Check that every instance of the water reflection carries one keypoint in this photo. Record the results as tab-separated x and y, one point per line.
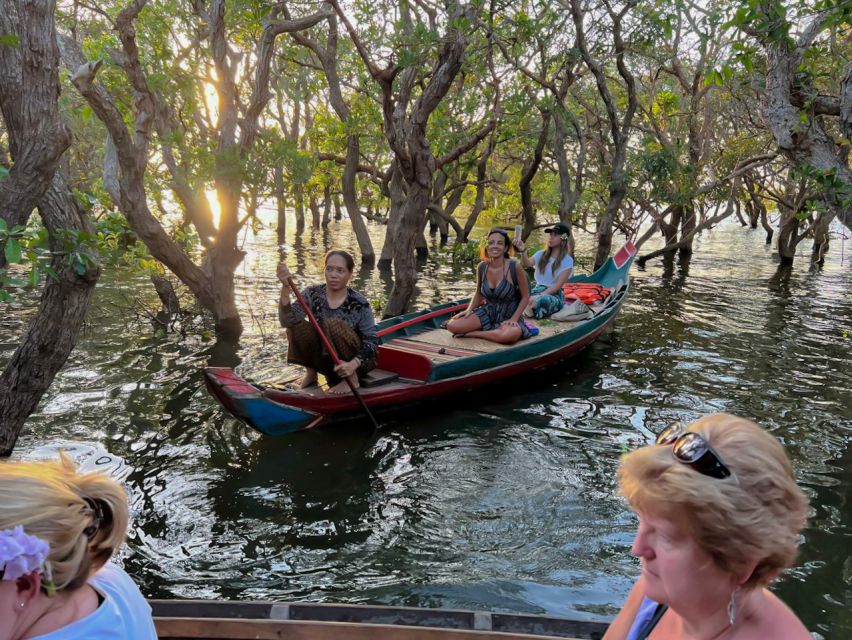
502	500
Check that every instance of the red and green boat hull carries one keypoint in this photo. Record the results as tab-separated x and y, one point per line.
425	372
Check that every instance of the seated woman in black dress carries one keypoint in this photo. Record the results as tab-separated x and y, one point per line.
502	294
345	317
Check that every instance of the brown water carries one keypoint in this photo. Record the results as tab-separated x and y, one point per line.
504	500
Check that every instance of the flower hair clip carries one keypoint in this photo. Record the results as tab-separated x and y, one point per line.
22	554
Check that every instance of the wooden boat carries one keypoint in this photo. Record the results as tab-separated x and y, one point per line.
418	361
306	621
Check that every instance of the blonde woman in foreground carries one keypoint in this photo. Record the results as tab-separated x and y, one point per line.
719	518
58	531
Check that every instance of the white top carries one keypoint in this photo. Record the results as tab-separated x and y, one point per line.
123	615
549	277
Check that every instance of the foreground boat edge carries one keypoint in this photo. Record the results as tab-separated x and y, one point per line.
232	620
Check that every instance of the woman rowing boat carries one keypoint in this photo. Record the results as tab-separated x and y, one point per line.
346	319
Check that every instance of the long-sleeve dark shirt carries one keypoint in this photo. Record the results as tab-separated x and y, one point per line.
355	311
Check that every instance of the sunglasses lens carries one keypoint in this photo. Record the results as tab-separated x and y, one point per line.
690	447
670	433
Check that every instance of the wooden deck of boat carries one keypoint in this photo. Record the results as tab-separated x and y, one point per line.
430	343
224	620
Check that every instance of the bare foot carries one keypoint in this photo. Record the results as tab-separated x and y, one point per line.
341	388
309	380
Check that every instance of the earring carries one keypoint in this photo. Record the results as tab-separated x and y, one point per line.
732	607
20	606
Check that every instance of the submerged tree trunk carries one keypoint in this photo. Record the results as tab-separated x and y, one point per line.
326	206
821	241
688	223
280	204
299	201
350	199
397	199
410	226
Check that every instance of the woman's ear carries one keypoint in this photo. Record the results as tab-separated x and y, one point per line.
28	589
743	575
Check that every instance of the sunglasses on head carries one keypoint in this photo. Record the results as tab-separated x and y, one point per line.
692	449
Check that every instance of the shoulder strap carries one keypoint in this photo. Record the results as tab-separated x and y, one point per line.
480	273
652	622
513	272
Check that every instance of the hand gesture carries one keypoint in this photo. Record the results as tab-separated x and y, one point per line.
519	244
509	323
283	273
463	314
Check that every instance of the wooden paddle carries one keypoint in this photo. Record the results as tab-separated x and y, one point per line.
330	348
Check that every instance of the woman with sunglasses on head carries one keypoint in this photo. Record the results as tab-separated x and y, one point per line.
502	294
553	266
345	316
58	531
719	519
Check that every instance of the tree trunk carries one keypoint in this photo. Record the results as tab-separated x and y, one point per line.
397	200
617	192
313	205
326	206
299	198
350	199
338	213
28	100
764	222
688	223
788	230
280	203
821	241
528	172
567	196
37	139
53	331
410	226
479	202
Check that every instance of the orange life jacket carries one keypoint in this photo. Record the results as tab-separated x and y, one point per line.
587	292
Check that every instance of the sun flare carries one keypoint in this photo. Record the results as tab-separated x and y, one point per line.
215	207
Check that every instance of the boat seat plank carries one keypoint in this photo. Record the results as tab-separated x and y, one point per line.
230	629
379	377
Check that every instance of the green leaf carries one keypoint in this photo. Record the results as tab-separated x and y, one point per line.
4	172
9	40
12	251
86	113
3	228
35	276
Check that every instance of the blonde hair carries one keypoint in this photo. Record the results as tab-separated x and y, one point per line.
751	519
83	517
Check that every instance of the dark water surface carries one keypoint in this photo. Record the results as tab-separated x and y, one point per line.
500	501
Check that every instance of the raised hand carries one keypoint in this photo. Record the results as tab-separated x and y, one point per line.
283	273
